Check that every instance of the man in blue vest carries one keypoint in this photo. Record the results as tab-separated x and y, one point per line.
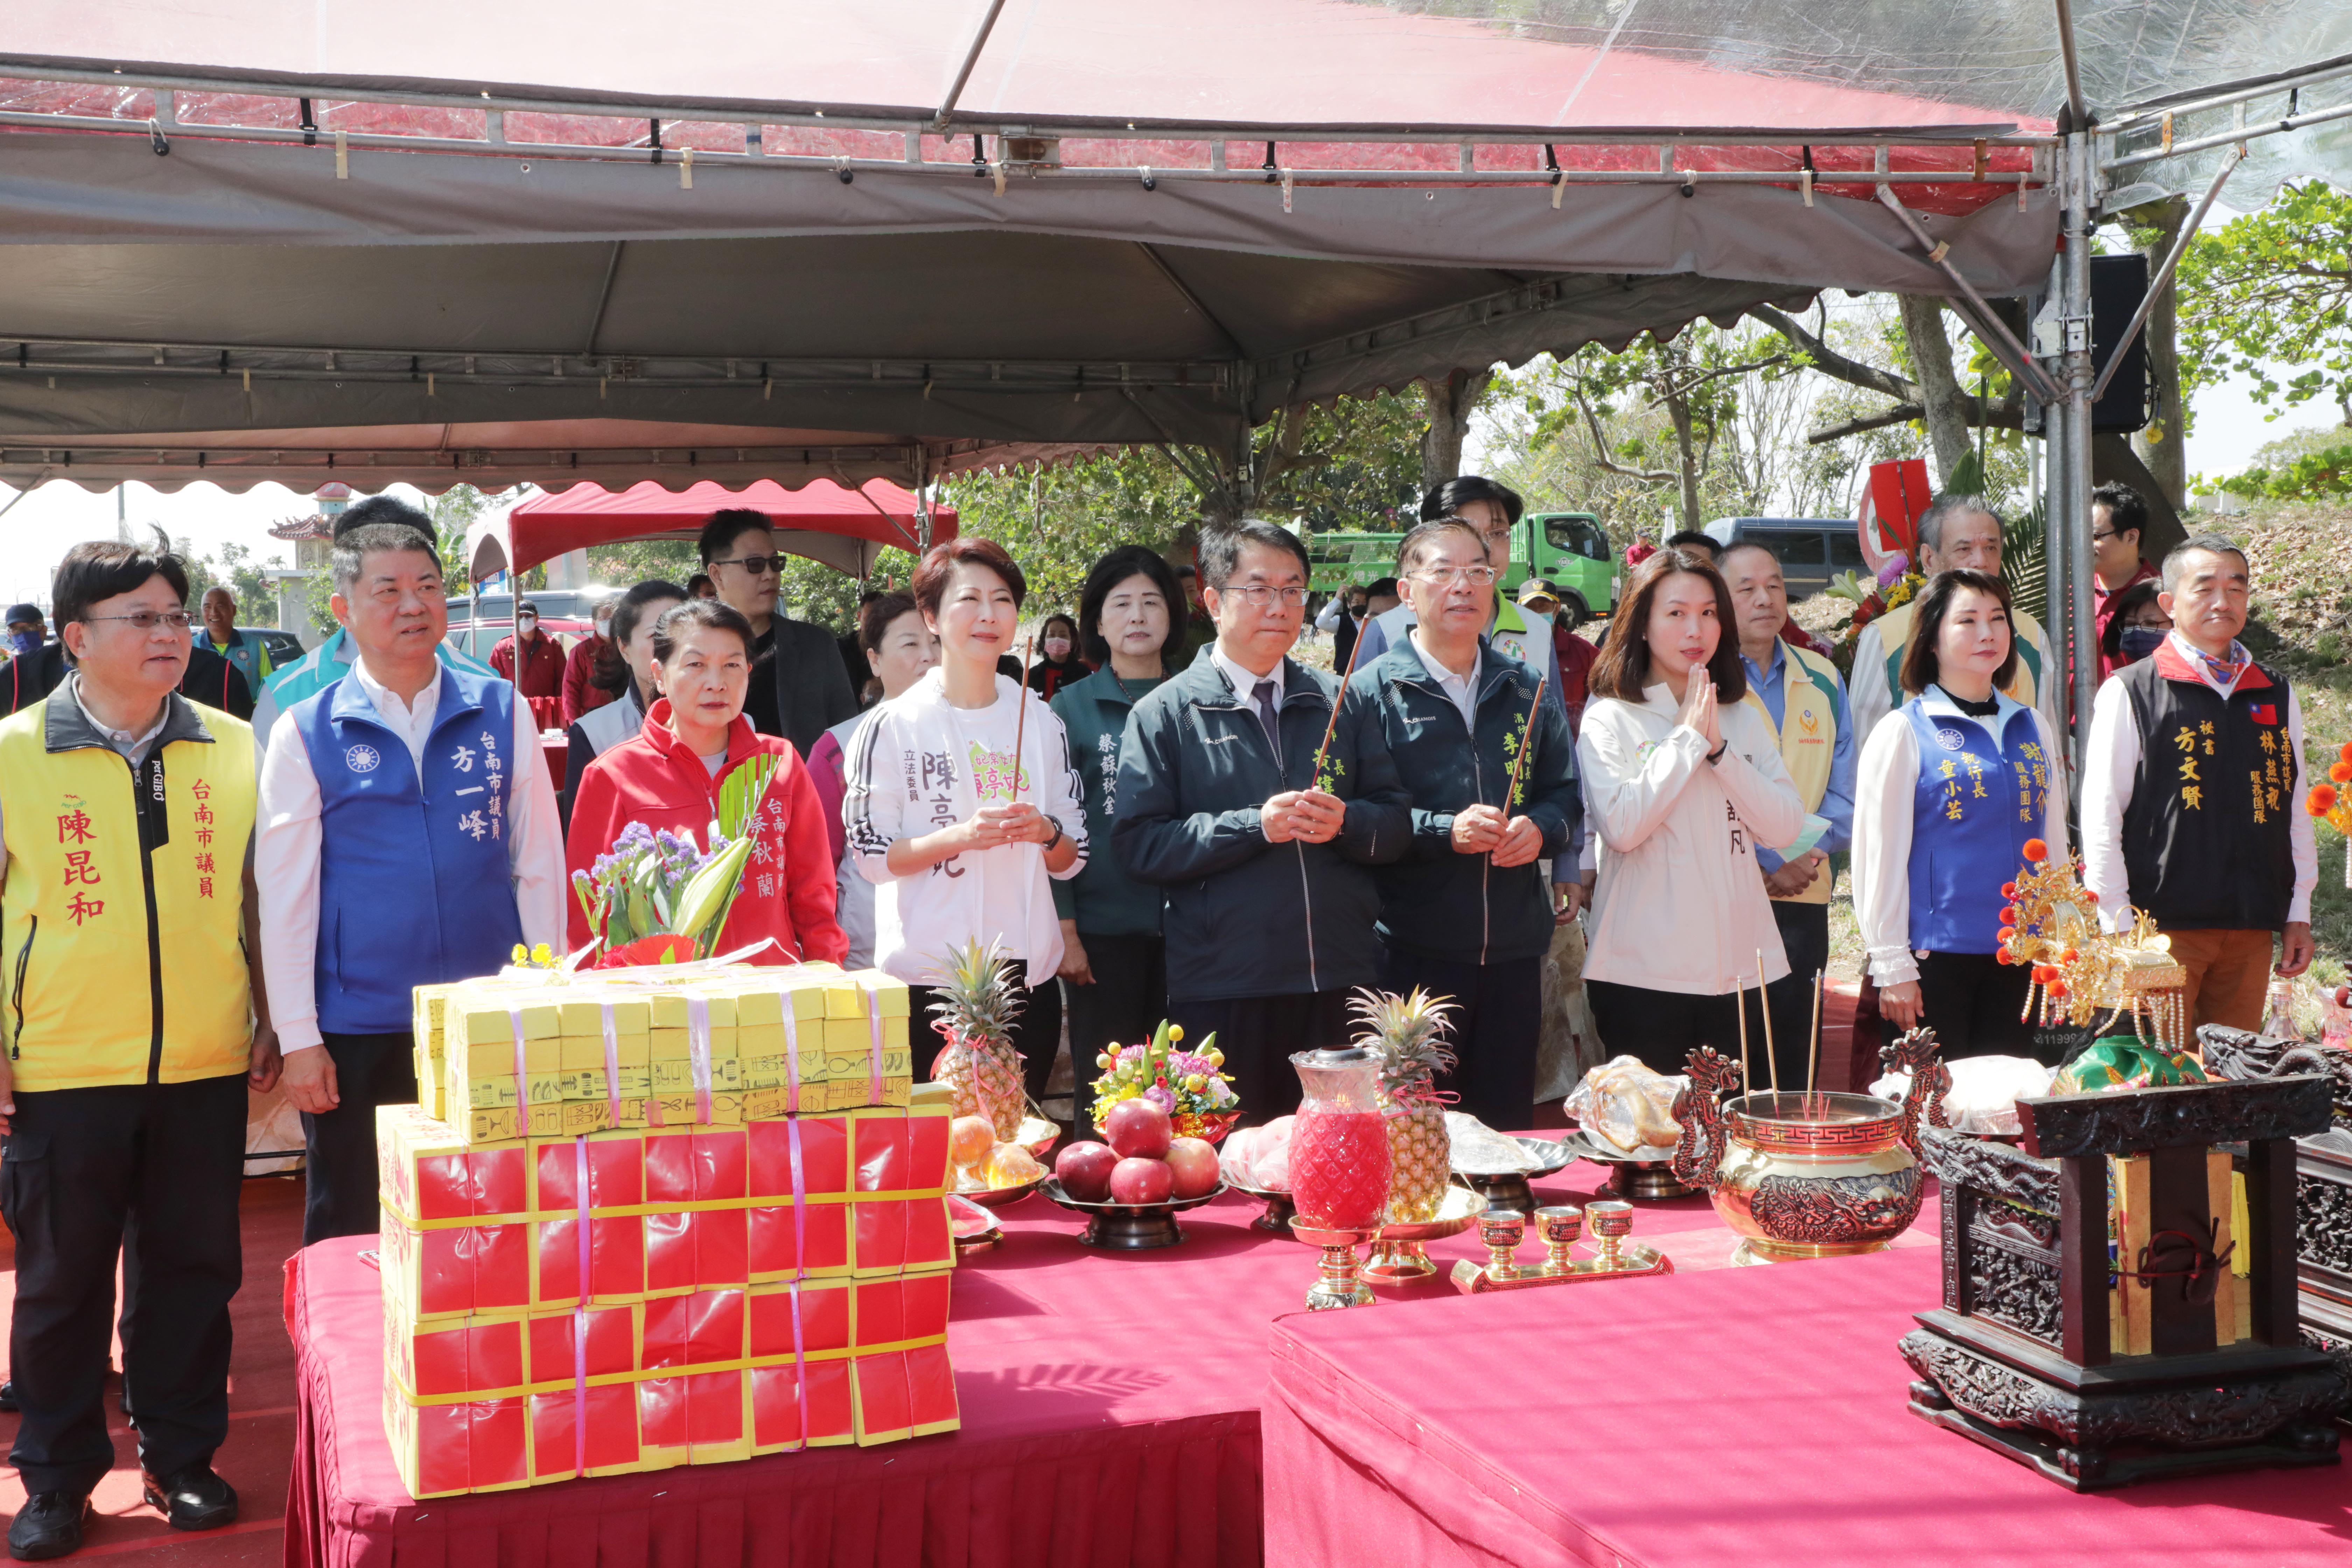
407	835
326	663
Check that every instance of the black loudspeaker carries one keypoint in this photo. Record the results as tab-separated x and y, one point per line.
2118	283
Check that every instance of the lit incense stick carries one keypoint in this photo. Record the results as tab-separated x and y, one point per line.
1813	1045
1740	994
1764	1005
1021	716
1526	744
1315	778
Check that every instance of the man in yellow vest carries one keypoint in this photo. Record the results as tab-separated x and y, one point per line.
1799	692
1955	531
133	1023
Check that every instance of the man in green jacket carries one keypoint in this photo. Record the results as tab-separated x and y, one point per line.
1492	775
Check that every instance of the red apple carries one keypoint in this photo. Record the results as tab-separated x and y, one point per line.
1084	1170
1192	1161
1139	1180
1138	1130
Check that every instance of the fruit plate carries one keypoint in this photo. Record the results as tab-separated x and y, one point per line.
1509	1189
1037	1134
998	1198
1630	1175
1278	1207
974	1229
1128	1227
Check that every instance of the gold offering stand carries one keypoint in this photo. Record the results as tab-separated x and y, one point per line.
2080	970
1502	1230
1400	1251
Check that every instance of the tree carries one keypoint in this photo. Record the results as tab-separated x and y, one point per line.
1689	379
1448	405
237	570
1946	408
2273	288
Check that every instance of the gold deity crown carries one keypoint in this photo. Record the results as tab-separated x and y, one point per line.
2079	969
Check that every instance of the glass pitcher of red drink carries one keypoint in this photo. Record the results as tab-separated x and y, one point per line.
1339	1145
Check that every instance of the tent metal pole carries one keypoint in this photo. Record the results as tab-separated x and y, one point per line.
2074	281
2156	286
2073	67
970	58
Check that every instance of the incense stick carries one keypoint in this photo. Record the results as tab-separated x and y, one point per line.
1526	744
1739	992
1764	1005
1315	778
1813	1044
1021	715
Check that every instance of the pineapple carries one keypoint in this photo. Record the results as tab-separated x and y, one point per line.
1404	1031
977	1004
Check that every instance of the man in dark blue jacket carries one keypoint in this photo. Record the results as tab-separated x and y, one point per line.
1465	913
1270	898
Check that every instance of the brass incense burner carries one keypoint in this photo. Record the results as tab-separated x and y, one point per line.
1810	1174
1503	1230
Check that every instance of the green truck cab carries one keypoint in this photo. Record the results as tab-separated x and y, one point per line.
1568	549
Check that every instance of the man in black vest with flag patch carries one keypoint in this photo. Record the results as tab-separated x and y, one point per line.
2192	795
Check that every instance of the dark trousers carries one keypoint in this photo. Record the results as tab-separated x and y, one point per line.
339	1171
1493	1034
1663	1028
1258	1036
1125	1004
89	1173
1972	1002
1805	936
1036	1030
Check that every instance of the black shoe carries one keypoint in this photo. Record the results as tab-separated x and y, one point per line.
192	1498
49	1525
8	1398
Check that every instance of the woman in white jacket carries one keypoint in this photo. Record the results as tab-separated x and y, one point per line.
1682	782
958	834
1957	791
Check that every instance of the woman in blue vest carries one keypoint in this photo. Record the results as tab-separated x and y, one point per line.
1953	785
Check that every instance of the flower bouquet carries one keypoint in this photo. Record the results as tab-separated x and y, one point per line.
657	898
2332	803
1189	1085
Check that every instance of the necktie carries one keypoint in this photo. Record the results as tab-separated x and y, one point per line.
1263	695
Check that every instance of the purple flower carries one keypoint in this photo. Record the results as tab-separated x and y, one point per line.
1892	572
1160	1098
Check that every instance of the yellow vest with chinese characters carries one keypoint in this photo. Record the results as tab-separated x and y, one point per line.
1808	737
2024	681
124	964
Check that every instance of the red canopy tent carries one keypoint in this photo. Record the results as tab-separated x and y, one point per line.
846	529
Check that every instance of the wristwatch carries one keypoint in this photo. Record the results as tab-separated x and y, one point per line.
1048	846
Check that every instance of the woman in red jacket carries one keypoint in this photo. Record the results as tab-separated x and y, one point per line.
668	776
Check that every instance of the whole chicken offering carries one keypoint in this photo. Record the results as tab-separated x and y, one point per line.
1624	1106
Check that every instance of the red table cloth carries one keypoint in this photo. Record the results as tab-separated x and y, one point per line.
1109	1406
1751	1416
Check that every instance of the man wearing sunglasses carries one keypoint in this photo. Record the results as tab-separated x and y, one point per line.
800	688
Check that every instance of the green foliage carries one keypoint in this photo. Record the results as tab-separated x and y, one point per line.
236	569
2322	475
2268	289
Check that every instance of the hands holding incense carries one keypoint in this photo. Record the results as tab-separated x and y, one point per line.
1310	815
1483	830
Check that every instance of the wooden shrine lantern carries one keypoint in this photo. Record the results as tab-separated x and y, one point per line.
2103	1367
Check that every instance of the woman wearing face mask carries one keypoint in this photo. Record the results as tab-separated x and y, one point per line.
624	691
963	813
589	657
900	649
2136	629
1683	780
1114	959
1057	640
668	776
1952	788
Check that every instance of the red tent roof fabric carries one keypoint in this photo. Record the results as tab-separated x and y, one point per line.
547	525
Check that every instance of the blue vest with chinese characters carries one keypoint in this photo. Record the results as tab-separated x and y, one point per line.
415	886
1971	812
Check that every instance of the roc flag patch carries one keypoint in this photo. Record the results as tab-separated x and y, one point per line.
2266	714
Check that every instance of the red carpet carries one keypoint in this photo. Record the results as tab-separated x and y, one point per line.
258	1455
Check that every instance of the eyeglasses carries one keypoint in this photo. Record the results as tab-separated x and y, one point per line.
2101	538
1260	595
757	565
148	620
1476	576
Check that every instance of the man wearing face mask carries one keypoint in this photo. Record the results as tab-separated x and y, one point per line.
531	658
589	656
35	666
27	629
